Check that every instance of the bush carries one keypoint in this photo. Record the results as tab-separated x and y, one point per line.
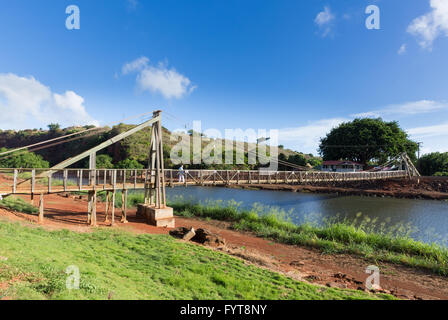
104	161
441	174
23	159
129	164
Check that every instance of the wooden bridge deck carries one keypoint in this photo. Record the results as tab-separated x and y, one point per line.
33	181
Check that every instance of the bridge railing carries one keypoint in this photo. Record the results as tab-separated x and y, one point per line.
54	180
34	181
220	177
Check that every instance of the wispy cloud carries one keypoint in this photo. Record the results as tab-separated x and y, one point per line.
324	21
430	131
408	108
402	49
27	103
136	65
159	79
132	4
427	28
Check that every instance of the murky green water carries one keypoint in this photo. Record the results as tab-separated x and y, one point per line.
429	217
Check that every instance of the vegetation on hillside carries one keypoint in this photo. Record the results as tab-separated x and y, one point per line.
367	140
131	152
120	265
22	159
435	163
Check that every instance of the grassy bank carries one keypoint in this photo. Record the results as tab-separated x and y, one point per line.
378	243
18	204
121	265
363	238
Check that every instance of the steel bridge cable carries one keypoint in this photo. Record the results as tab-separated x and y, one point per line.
51	145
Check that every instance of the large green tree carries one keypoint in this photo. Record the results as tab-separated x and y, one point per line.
365	140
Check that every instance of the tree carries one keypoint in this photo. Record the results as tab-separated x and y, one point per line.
129	164
365	140
53	127
104	161
23	159
433	163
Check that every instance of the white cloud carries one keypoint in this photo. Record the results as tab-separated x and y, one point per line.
307	138
324	20
430	26
27	103
159	79
408	108
402	49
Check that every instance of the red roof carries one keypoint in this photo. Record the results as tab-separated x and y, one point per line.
339	163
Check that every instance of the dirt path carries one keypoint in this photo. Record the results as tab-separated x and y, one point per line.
344	271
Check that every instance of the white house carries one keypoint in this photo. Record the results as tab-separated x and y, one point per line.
341	166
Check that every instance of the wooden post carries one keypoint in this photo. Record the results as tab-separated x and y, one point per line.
113	208
65	180
41	209
124	205
49	182
89	207
80	172
93	218
33	181
162	165
14	186
107	207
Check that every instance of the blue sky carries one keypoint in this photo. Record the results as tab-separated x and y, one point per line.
301	67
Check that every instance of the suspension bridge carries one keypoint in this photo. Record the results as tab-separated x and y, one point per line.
154	179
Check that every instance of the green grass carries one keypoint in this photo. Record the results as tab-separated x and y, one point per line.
18	204
376	243
128	266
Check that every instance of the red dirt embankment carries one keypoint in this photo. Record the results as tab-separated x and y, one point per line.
344	271
433	188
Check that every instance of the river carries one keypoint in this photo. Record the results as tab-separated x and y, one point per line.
429	218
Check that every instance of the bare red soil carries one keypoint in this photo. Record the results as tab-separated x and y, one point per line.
344	271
